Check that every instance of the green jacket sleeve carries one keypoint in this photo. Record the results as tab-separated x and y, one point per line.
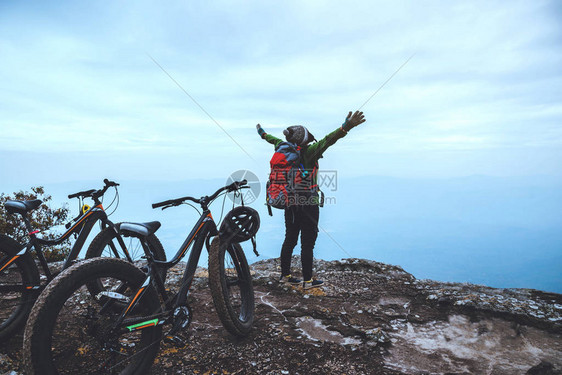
272	139
317	149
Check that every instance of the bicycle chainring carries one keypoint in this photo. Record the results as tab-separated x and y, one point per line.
181	319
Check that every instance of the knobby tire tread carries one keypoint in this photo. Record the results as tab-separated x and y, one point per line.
37	330
102	239
95	249
219	291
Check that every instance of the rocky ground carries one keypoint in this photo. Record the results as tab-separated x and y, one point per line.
371	318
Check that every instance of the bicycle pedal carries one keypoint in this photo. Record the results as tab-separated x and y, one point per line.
175	340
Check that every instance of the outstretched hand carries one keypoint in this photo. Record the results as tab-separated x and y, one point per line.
260	130
353	120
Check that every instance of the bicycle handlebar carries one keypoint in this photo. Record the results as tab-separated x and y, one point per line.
110	183
233	186
174	202
85	193
93	193
203	200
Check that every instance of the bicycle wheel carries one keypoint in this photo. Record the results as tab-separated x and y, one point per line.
104	243
231	287
17	278
69	333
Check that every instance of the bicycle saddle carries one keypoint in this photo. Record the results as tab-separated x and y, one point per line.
22	207
141	229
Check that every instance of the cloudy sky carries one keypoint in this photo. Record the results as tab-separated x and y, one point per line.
81	98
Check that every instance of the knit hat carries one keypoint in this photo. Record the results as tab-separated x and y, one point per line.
298	134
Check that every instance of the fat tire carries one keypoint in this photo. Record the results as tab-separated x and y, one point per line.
231	319
108	234
39	328
29	277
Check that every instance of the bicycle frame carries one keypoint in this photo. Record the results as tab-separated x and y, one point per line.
82	228
204	228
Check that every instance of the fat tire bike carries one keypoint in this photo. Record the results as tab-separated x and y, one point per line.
119	330
20	280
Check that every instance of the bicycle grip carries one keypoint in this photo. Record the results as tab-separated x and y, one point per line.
236	185
110	183
161	204
85	193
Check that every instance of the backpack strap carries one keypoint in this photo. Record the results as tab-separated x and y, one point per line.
254	245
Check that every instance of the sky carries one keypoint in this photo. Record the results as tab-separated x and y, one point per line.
455	175
81	97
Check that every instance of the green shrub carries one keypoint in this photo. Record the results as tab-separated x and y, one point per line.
43	219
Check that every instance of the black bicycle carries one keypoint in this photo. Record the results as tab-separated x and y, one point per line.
20	281
119	329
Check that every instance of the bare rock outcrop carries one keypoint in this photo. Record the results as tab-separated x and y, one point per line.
370	318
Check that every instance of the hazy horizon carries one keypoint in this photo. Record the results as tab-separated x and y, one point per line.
498	231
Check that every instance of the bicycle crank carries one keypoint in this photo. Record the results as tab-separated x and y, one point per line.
181	319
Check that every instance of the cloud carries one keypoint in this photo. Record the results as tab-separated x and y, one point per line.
77	78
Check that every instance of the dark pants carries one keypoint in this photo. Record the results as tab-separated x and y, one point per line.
303	219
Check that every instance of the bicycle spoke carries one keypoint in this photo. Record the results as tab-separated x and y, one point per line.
142	351
13	294
83	336
135	248
132	244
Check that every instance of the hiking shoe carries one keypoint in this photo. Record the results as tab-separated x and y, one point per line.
288	279
312	284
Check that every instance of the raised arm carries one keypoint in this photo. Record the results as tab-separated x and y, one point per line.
351	121
268	137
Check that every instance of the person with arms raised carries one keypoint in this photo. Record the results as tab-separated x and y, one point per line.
293	181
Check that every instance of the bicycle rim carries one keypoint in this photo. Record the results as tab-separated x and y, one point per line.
238	284
106	241
82	338
15	298
133	246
